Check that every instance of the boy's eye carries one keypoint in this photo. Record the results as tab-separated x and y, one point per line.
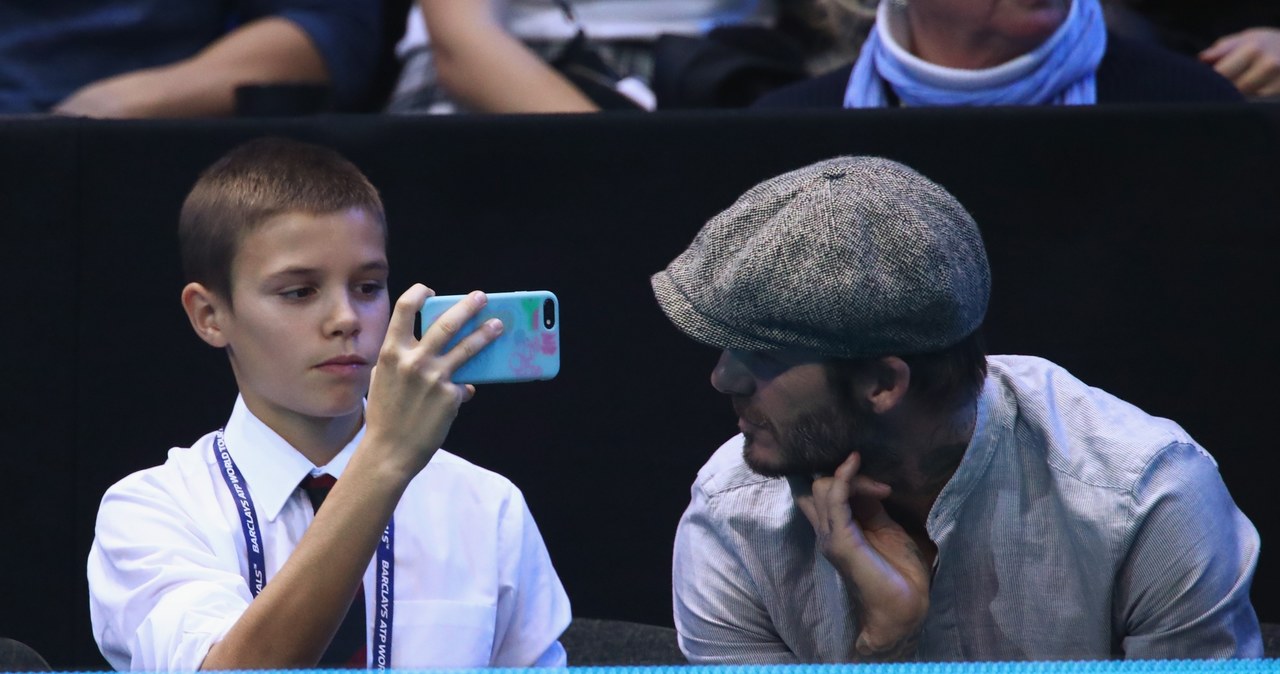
371	287
297	293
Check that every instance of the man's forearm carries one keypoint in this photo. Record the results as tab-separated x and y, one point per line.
900	649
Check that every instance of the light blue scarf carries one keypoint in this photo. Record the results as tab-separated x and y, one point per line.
1058	72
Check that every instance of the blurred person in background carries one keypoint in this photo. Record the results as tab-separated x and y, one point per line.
512	56
999	52
137	58
1239	38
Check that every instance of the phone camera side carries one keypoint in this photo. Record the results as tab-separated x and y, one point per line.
549	314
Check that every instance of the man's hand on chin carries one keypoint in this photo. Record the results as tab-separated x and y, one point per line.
884	569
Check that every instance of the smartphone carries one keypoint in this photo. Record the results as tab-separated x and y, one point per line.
528	348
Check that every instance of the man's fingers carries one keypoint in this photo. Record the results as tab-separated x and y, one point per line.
844	501
874	489
835	497
850	466
806	506
858	496
866	506
802	494
400	329
831	500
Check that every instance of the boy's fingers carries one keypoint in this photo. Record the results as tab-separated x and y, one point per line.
406	308
470	345
447	326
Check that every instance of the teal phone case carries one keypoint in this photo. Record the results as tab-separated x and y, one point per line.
528	348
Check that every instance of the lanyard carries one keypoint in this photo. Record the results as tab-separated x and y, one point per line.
258	564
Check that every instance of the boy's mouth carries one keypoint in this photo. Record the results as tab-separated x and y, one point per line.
351	360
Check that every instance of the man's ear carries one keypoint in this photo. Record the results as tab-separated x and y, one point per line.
205	309
886	384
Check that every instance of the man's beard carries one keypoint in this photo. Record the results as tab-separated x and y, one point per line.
816	443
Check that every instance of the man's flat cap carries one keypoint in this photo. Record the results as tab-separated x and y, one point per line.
851	257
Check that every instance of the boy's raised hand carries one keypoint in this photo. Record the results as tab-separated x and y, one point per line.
412	403
412	398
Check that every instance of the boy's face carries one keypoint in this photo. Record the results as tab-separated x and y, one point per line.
309	312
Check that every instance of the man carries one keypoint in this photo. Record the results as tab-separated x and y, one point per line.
894	493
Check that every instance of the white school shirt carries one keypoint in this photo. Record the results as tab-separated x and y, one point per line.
474	585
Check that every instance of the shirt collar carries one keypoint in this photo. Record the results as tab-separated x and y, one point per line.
995	413
271	467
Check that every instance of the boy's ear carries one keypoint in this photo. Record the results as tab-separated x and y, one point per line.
205	310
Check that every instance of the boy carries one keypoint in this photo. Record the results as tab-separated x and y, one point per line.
217	559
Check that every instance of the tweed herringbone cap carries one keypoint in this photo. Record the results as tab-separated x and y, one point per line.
851	257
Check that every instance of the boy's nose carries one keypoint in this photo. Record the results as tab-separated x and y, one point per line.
344	319
731	376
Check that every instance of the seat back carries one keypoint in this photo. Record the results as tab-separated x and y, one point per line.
599	642
16	656
1271	640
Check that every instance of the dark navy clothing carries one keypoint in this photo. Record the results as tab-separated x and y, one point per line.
1130	72
51	48
1190	26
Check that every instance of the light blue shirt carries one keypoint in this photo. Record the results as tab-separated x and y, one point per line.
1076	527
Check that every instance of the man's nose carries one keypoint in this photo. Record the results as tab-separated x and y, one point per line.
731	376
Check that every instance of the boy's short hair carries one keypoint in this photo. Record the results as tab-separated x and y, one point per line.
251	184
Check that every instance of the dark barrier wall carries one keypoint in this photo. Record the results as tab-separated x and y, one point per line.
1126	244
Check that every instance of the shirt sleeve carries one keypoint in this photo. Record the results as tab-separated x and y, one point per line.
159	594
347	33
719	616
1183	591
533	609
